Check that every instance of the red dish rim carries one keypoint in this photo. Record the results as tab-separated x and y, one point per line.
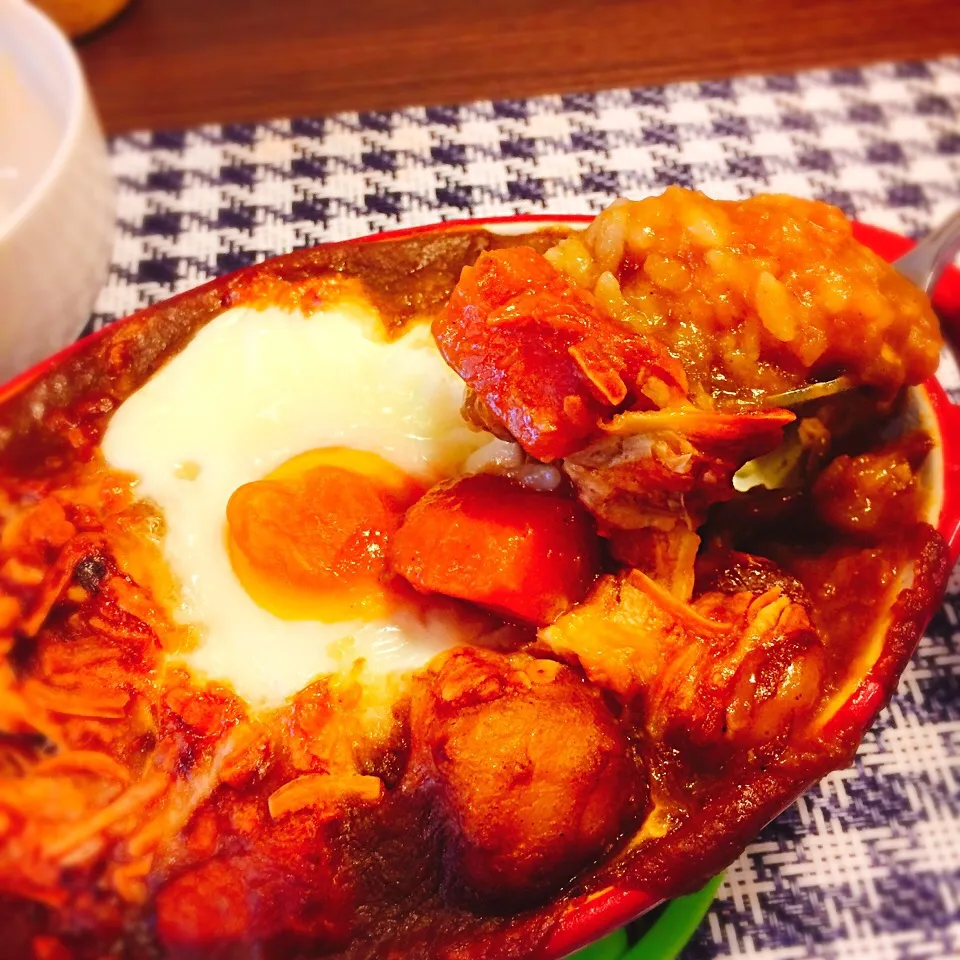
594	916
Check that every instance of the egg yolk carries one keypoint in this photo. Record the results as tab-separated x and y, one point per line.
311	540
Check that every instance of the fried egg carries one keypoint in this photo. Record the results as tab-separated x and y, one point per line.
266	396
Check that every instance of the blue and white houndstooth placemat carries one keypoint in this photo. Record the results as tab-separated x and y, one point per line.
867	865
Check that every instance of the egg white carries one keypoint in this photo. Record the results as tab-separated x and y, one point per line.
254	388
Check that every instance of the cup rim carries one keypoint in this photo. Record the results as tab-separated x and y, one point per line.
57	45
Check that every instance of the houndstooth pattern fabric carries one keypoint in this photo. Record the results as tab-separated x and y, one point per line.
867	865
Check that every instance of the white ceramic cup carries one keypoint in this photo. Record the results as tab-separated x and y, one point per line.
56	239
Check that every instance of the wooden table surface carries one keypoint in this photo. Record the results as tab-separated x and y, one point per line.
172	63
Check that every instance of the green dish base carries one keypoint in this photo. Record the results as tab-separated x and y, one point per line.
668	933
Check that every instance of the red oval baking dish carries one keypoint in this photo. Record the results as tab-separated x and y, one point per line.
584	919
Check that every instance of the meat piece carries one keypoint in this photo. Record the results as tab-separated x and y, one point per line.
761	679
651	479
622	635
535	777
874	491
526	554
730	571
726	672
665	551
543	356
677	461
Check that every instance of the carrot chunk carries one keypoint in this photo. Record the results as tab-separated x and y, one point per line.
543	356
526	554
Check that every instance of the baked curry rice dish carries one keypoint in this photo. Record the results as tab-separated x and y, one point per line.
391	598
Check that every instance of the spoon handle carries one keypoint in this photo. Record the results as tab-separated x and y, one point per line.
924	264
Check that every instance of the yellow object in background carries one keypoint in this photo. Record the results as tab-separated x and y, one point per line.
77	17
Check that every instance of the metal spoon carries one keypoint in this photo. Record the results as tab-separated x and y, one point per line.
922	266
925	263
